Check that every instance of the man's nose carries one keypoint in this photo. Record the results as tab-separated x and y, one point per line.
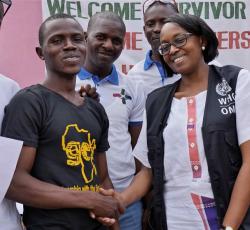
69	44
157	27
108	43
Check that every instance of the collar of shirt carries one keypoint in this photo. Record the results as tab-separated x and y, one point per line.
149	62
111	78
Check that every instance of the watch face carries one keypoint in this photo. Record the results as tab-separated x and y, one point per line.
228	228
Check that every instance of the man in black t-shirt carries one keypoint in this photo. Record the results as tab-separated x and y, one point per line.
62	164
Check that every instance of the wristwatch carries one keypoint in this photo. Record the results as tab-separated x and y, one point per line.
227	228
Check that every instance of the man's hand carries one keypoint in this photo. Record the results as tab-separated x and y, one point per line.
105	220
89	91
116	195
106	206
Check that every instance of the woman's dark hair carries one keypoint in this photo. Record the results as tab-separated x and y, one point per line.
198	27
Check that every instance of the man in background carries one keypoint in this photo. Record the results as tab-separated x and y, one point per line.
122	99
152	72
9	217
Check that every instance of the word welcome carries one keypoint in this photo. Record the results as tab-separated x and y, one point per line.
127	10
132	10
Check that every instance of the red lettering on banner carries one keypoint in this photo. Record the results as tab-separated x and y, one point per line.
136	40
245	44
127	41
133	40
221	39
233	39
126	68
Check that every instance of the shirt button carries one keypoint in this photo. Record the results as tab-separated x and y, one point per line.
192	145
190	101
190	120
196	167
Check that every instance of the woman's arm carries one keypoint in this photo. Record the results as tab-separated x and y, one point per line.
138	187
240	199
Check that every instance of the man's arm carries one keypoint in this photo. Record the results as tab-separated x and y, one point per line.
30	191
134	131
102	169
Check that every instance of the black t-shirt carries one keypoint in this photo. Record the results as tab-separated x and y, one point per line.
67	138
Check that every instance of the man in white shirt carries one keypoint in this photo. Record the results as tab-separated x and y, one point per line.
152	72
122	99
9	217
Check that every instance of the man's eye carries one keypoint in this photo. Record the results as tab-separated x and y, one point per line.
117	41
99	37
56	41
150	24
78	39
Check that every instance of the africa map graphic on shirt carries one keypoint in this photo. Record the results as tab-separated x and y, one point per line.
80	153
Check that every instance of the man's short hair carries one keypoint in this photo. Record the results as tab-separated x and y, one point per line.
52	18
106	15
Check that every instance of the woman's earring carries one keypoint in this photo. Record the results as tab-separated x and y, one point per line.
203	48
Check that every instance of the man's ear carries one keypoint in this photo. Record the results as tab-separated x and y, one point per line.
39	52
124	41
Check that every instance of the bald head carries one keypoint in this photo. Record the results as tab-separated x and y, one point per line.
106	15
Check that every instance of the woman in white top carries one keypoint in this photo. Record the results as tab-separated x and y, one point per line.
187	45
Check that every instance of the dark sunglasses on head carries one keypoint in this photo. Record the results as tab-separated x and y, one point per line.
8	5
148	3
179	41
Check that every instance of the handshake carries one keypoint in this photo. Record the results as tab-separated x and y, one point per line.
107	207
